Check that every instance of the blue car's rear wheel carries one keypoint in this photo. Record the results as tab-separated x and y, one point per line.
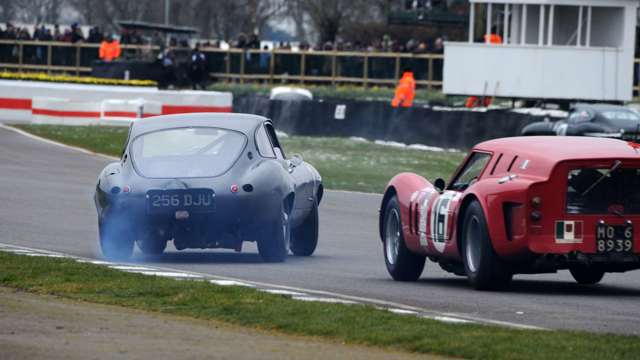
273	244
151	244
116	240
304	238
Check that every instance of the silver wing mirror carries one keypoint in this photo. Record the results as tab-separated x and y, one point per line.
440	185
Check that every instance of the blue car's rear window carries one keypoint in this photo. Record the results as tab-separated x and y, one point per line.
186	152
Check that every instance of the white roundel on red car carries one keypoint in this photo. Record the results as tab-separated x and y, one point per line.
440	218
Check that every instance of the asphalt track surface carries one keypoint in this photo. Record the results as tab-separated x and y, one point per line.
46	203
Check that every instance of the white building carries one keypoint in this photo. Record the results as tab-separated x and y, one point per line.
551	49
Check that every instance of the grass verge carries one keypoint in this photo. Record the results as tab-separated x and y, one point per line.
354	324
343	163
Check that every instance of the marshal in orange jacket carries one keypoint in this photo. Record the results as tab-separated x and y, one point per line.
405	91
109	50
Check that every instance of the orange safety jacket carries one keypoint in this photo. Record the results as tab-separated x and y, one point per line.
493	39
109	50
405	91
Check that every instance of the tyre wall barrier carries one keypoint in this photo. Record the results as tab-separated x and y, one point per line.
27	101
377	120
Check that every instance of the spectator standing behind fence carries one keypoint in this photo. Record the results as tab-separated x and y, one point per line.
198	70
405	91
110	49
265	59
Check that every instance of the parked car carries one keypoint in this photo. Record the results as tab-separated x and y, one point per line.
517	206
599	120
207	181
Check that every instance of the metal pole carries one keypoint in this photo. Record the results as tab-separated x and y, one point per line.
541	27
334	67
228	65
579	39
366	69
302	67
272	64
20	55
77	59
488	29
505	31
523	30
49	57
472	21
589	26
167	8
551	16
244	54
430	73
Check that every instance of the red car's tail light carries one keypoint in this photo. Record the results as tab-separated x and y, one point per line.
536	202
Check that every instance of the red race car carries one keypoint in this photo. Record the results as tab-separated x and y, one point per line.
519	205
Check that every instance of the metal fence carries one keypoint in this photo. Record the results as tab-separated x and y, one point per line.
271	66
237	65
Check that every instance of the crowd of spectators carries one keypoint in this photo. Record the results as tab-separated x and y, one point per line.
385	44
71	34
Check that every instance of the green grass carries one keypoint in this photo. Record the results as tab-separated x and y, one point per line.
344	164
355	324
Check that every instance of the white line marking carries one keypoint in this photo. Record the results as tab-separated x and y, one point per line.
452	320
282	292
402	311
324	300
43	255
230	283
170	274
130	268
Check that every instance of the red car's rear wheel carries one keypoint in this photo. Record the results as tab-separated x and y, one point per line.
484	268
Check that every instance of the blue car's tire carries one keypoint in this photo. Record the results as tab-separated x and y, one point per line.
116	240
304	238
273	245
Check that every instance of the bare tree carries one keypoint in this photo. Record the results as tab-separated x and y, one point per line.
7	10
37	11
328	17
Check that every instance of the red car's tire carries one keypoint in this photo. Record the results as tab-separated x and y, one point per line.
402	264
585	275
485	270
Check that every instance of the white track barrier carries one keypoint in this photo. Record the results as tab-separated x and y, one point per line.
67	104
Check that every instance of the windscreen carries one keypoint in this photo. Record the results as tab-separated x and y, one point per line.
621	115
614	190
186	152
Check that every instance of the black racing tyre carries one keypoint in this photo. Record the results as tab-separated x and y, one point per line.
304	238
151	245
116	240
485	270
402	264
273	245
586	275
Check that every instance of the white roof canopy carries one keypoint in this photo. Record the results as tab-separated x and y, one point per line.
560	2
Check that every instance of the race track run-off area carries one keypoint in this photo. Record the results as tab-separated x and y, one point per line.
46	204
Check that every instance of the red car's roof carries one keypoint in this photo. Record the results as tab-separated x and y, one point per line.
553	149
